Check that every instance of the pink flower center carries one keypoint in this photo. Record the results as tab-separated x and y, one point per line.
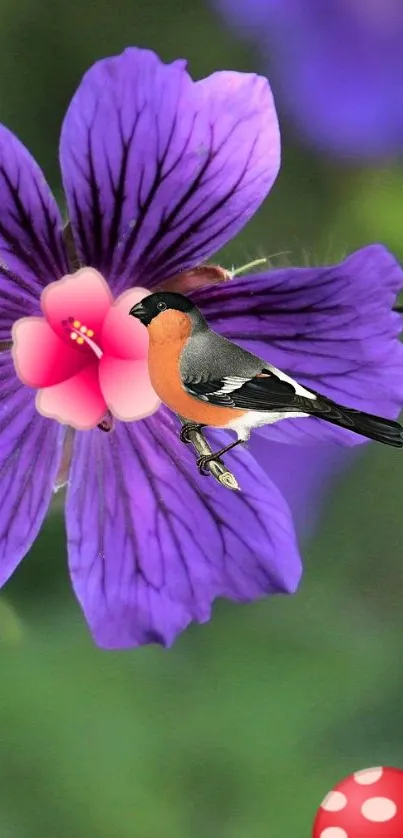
91	365
81	334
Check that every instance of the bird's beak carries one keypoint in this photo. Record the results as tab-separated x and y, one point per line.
140	312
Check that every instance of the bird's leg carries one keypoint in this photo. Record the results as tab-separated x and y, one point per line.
184	432
207	458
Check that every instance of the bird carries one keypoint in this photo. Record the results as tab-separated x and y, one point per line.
211	381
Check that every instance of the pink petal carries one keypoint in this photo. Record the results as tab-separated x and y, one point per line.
40	358
127	389
77	402
84	295
124	336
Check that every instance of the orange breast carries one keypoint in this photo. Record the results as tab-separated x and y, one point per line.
168	334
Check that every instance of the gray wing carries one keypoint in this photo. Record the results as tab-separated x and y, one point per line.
210	356
218	371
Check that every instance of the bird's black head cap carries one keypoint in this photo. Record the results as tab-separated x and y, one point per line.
161	301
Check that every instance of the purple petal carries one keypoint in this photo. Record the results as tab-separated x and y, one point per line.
337	67
152	543
161	171
330	328
304	474
31	246
30	454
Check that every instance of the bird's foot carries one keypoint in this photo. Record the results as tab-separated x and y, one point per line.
204	460
184	432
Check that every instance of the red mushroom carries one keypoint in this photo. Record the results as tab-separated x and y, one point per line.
368	804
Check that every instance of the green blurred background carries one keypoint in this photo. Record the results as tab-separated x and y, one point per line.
243	726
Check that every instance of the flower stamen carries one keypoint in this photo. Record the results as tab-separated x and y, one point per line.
81	334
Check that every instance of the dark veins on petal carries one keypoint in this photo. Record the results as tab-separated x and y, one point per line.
157	258
175	515
31	247
141	556
43	256
168	259
30	448
93	240
160	171
332	328
290	319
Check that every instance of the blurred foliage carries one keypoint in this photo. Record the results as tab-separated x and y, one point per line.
241	728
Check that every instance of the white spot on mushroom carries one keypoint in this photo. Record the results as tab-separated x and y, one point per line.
333	832
379	809
368	776
335	801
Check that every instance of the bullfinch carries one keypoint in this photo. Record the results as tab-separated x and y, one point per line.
211	381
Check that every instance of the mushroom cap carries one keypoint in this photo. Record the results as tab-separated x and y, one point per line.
367	804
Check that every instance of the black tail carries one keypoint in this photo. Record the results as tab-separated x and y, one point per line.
373	427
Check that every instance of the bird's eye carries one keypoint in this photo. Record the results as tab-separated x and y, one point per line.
161	306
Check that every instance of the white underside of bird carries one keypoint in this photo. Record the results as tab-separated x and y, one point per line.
256	418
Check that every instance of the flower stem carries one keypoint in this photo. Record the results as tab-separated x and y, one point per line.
217	468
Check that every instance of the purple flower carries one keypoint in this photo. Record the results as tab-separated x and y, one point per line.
337	67
306	475
159	172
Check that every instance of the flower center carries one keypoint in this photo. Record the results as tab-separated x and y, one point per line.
81	335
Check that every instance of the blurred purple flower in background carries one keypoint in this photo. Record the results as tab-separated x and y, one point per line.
159	172
336	68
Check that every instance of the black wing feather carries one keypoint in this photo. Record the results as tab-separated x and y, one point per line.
264	392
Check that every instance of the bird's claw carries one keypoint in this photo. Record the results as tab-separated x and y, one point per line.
184	432
203	461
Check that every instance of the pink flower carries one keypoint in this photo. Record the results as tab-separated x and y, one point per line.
85	356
